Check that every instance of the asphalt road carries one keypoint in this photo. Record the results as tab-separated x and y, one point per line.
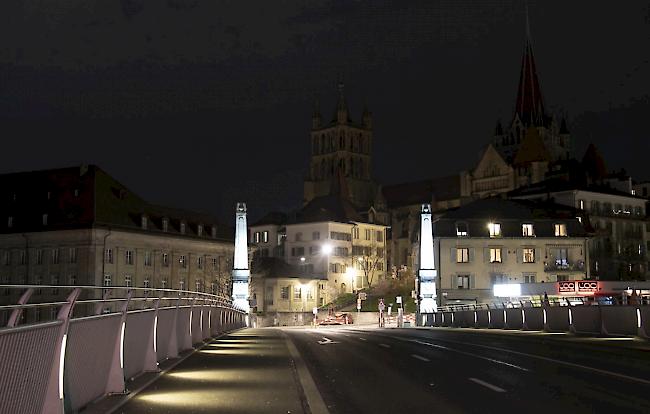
448	371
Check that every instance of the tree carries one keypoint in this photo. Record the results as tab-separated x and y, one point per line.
367	260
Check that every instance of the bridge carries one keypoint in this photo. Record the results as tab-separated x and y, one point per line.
97	338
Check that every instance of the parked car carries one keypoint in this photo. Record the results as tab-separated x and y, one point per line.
339	318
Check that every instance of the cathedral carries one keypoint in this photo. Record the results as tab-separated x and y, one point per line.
346	146
530	146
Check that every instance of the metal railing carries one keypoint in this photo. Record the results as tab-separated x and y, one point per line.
95	339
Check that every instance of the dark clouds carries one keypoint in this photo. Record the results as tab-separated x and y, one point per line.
198	103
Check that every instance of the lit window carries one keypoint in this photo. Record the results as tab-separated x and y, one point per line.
495	229
581	204
284	292
495	255
297	292
199	230
128	257
182	228
127	280
560	230
165	259
265	236
529	255
107	280
461	229
462	255
256	237
462	281
527	230
199	262
182	261
147	258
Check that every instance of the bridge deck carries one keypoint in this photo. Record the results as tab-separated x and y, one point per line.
248	371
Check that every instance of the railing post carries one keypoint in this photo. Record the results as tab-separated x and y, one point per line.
54	397
16	313
172	349
151	357
116	383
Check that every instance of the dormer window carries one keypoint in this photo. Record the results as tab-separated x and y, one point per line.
527	230
165	224
560	230
494	229
461	229
10	221
199	230
182	227
143	222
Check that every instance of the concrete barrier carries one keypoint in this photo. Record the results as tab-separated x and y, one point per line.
514	318
586	319
644	316
533	319
557	319
497	320
619	320
482	318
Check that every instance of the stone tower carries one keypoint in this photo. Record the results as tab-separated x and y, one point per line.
345	145
427	275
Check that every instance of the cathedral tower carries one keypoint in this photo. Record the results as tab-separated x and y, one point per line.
345	145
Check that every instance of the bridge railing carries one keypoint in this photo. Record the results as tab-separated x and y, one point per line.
80	343
550	316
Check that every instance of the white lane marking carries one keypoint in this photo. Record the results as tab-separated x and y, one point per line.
327	341
421	358
487	385
384	345
496	361
363	339
557	361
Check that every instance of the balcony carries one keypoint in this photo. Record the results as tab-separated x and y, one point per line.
564	266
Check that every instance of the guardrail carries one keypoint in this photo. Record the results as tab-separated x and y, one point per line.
584	318
98	339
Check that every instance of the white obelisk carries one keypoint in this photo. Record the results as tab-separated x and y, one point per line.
427	273
240	272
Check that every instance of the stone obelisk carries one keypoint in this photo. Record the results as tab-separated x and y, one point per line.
240	272
427	273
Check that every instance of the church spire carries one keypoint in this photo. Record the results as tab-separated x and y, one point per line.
342	114
530	105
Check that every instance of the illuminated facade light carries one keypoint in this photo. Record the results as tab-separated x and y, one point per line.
326	249
638	318
544	315
507	290
155	334
570	317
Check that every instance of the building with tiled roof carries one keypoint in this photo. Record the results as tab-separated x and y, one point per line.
80	226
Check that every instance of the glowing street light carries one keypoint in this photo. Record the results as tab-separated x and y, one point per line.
327	249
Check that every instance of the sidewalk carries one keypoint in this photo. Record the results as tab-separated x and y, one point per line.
248	371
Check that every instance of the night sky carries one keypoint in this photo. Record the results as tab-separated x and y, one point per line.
200	103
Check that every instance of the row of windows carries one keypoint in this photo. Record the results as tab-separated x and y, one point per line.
527	230
54	256
328	143
298	292
129	259
199	285
261	237
527	255
334	235
596	207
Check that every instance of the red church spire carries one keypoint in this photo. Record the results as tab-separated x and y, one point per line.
530	105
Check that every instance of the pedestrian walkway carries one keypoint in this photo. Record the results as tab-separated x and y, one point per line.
249	371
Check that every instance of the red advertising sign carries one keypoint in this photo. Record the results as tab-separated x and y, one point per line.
583	287
587	286
566	287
